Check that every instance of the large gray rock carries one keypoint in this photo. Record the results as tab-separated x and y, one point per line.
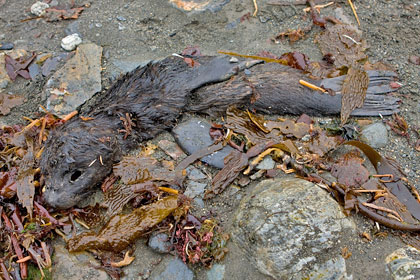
77	81
404	263
193	135
375	135
287	225
75	266
172	269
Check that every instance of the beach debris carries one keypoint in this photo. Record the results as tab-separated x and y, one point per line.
8	101
70	42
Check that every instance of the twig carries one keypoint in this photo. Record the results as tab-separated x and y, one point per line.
318	7
311	86
256	8
354	11
383	209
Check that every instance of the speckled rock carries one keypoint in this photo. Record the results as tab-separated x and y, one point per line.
160	243
75	266
193	135
287	226
195	189
172	269
375	135
404	264
38	8
77	81
266	164
216	272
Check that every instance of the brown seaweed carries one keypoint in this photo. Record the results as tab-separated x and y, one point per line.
393	178
122	230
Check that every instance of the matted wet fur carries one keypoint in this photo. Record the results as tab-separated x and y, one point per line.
148	100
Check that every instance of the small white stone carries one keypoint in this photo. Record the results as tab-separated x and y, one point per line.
233	60
39	8
70	42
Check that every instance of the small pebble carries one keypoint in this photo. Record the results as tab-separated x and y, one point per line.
160	243
120	26
70	42
39	8
99	25
121	18
6	46
233	60
247	72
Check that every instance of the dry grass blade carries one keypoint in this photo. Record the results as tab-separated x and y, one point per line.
255	7
354	11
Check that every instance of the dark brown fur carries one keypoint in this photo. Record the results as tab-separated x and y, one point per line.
80	154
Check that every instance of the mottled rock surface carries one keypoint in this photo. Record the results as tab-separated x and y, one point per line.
287	225
172	269
77	81
193	135
376	135
404	264
75	266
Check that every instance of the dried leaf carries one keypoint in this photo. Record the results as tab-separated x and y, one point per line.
345	253
58	13
134	170
126	261
19	66
322	143
344	43
8	101
25	179
289	127
349	170
398	185
353	92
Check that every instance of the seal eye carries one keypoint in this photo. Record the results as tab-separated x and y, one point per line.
76	174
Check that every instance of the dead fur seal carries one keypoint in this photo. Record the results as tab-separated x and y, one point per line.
149	100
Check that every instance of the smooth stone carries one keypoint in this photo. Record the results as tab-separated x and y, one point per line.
34	70
195	189
287	227
404	263
193	135
121	18
375	135
77	81
216	272
6	46
70	42
160	243
195	174
266	164
172	269
75	266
